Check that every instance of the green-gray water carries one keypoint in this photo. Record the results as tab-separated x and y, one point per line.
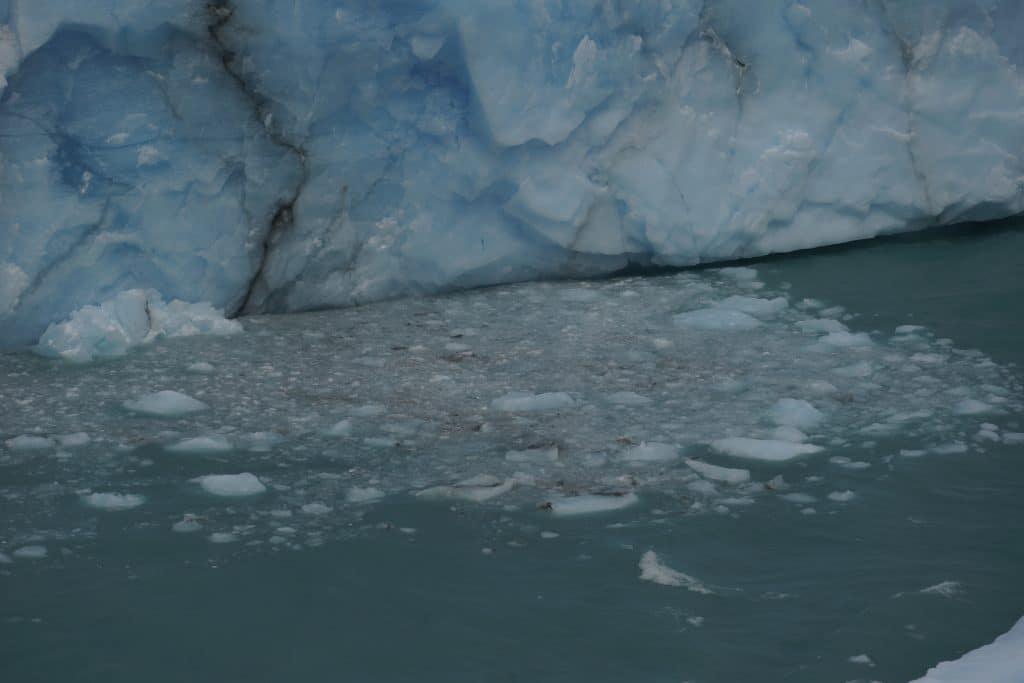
792	577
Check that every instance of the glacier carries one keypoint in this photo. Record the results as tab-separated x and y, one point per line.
268	156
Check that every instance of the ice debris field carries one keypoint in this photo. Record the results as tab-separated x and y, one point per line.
698	393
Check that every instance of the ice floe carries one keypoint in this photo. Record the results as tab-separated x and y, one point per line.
768	450
113	502
231	485
654	570
166	403
201	444
525	401
589	504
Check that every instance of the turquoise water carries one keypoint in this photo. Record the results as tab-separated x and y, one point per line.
422	588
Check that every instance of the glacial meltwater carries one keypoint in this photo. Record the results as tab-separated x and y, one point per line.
804	468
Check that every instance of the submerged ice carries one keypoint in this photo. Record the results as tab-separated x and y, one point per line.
274	156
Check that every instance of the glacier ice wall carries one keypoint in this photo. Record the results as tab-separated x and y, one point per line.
270	155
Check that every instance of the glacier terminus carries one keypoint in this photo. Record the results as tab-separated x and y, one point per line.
269	155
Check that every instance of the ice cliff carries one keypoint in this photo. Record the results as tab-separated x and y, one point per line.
272	155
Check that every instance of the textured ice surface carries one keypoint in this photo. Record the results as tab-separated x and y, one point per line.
274	156
1001	661
131	318
421	422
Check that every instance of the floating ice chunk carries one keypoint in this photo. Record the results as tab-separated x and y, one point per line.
987	435
651	452
202	368
129	319
822	326
1001	661
28	442
702	487
859	369
795	412
861	659
381	442
762	308
518	401
910	329
368	410
589	504
187	524
928	358
716	319
846	339
653	570
316	509
1013	438
342	428
541	454
201	444
231	485
716	473
798	498
769	450
359	494
740	273
785	433
580	295
855	465
820	386
970	406
627	398
222	537
30	552
165	404
478	489
262	442
954	448
113	502
738	500
73	440
841	496
946	589
549	534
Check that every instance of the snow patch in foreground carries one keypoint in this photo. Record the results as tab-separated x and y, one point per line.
1001	661
652	569
132	318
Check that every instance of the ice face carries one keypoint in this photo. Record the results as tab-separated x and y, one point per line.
269	157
